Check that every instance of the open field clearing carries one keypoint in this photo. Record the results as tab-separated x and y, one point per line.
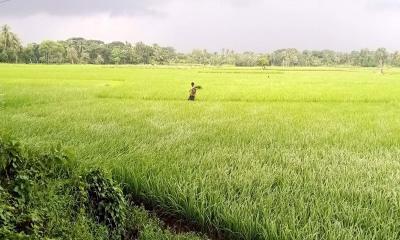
297	153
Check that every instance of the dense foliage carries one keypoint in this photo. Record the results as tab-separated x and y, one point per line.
42	197
82	51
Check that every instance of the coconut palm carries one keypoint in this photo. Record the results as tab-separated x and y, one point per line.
10	42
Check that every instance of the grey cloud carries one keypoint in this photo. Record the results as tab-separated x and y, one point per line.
20	8
213	24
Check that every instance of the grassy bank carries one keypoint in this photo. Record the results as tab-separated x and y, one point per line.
45	196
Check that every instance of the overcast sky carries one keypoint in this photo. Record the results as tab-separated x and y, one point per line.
242	25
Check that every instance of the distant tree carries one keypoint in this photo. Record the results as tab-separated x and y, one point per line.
286	57
381	57
182	58
51	52
247	59
342	59
116	54
355	58
158	56
328	57
163	55
290	57
95	48
85	58
10	45
102	50
77	43
72	55
228	57
263	61
31	53
144	53
367	58
80	50
6	37
305	58
3	56
395	59
200	57
99	59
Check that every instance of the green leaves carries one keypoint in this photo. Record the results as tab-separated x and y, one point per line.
22	187
10	159
106	201
43	197
20	176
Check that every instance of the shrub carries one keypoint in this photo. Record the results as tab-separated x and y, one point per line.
10	160
106	202
43	197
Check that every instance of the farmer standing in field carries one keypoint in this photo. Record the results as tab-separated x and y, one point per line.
193	91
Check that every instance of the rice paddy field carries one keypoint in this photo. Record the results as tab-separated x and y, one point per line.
295	153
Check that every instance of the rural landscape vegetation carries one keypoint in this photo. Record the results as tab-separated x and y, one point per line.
98	141
82	51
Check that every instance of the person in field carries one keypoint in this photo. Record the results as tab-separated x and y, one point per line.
193	91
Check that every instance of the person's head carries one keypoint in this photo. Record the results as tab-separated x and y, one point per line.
192	84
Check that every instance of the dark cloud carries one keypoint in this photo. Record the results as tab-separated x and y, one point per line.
20	8
256	25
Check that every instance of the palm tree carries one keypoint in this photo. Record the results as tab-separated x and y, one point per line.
5	36
381	56
10	42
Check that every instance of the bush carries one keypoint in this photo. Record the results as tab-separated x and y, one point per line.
34	203
106	202
10	161
42	196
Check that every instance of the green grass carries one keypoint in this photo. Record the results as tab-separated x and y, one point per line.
308	153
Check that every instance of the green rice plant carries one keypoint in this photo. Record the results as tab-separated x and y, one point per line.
310	153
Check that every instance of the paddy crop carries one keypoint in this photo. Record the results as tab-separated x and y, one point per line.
298	153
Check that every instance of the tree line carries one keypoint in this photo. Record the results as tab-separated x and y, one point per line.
83	51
